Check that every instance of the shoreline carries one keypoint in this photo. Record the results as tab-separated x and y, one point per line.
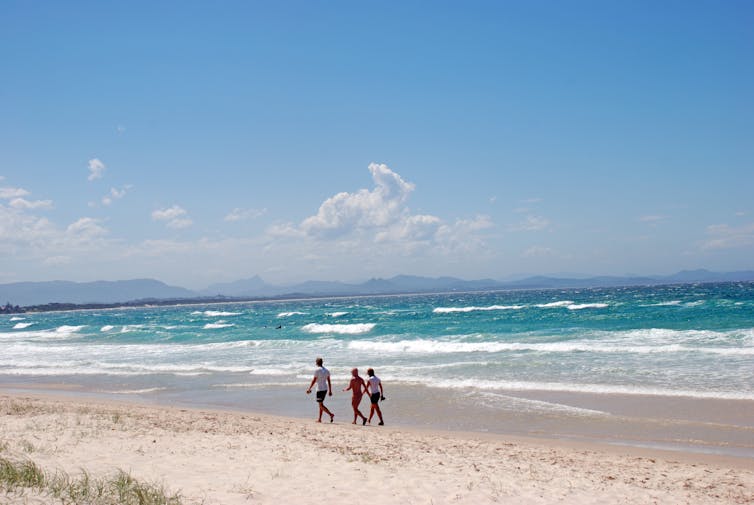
216	456
723	428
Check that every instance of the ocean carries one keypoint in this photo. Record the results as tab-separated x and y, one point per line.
507	351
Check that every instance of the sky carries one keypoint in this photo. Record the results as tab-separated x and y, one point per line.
204	142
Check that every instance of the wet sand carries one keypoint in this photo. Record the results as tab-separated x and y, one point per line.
711	426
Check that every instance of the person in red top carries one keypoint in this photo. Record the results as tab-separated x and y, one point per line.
358	387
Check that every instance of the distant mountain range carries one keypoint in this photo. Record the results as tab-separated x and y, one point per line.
39	293
113	292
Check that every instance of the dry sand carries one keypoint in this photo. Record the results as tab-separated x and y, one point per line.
213	457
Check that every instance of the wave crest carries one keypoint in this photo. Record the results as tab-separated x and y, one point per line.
343	329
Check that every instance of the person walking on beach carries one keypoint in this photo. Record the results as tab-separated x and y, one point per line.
324	387
376	393
358	387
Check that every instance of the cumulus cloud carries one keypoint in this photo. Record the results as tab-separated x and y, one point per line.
723	236
174	217
86	227
21	203
114	194
238	214
346	212
6	193
96	169
17	200
377	223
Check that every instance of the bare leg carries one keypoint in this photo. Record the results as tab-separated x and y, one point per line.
379	413
324	409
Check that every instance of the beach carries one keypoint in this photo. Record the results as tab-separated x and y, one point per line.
621	395
225	457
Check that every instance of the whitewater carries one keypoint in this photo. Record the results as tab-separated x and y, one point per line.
694	341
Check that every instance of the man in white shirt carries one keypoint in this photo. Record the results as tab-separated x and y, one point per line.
324	387
376	393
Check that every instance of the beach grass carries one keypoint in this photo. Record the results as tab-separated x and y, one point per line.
121	488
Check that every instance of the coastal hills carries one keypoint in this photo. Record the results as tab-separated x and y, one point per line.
27	294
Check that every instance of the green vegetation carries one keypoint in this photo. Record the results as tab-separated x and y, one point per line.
121	489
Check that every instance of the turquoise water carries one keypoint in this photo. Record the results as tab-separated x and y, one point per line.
690	340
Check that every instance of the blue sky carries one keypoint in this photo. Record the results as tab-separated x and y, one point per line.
197	142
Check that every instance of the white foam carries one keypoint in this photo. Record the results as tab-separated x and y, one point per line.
273	371
21	326
448	310
672	303
217	325
441	347
107	327
131	327
337	314
527	404
69	329
555	305
586	388
581	306
344	329
135	391
289	314
16	318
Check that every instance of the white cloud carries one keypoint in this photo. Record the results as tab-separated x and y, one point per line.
19	230
375	227
238	214
114	194
169	213
345	213
21	203
531	223
419	227
175	217
179	224
86	227
96	169
7	193
724	236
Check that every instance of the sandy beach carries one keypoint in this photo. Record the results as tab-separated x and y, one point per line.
217	457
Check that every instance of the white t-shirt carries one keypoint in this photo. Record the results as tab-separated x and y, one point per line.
322	374
373	384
